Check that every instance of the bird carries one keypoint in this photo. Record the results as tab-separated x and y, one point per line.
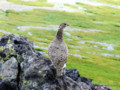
58	51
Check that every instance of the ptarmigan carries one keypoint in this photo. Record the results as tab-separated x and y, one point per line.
58	51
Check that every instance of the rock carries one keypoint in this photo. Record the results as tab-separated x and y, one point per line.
100	87
9	69
83	81
67	83
73	73
23	68
8	85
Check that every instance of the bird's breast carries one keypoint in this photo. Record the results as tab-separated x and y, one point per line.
58	50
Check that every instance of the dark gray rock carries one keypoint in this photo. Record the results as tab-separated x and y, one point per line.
100	87
9	69
8	85
85	83
73	73
23	68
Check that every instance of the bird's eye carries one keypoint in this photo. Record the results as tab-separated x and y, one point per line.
64	23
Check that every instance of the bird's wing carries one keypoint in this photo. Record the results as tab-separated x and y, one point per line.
51	52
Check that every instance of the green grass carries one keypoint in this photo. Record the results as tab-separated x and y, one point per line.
113	2
98	67
71	6
32	3
103	70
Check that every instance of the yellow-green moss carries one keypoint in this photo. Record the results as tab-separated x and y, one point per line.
29	83
2	48
26	82
39	71
2	77
44	76
9	49
2	61
18	57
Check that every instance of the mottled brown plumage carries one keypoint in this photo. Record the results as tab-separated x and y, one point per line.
58	51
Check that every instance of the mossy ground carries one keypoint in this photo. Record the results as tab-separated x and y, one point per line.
102	69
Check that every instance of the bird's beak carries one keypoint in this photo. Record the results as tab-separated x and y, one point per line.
67	25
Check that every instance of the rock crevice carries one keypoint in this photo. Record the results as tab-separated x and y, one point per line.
18	76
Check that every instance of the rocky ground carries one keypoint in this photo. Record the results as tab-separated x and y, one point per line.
23	68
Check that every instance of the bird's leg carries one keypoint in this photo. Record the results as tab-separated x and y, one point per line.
58	65
63	69
59	72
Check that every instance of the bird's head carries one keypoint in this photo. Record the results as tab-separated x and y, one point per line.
63	25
